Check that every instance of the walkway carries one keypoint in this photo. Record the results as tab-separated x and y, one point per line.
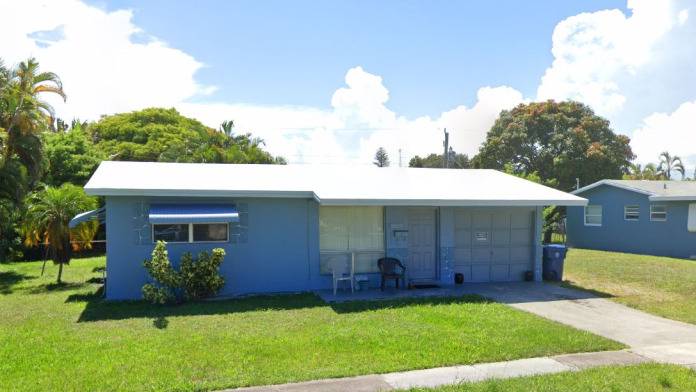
456	374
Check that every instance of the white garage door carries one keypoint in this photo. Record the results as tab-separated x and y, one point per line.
493	245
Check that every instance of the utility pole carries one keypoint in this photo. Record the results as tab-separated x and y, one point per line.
445	156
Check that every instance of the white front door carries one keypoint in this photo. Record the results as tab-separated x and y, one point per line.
422	261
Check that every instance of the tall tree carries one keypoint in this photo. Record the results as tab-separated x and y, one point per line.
70	155
381	158
164	135
560	141
670	163
47	221
24	116
456	161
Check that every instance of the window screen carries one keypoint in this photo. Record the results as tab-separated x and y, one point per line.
344	231
593	215
631	213
171	232
208	232
658	213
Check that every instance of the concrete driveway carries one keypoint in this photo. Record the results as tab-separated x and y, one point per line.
653	337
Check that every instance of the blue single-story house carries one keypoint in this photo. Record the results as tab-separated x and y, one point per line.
282	225
636	216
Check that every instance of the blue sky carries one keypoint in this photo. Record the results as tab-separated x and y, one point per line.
434	55
331	81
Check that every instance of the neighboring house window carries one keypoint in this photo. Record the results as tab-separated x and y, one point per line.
348	231
191	232
631	213
593	215
691	222
658	213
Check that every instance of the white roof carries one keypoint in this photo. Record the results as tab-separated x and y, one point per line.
656	190
329	185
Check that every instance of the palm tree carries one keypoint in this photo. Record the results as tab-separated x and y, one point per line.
23	114
669	163
227	127
47	218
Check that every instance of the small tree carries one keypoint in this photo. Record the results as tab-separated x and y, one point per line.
381	158
166	278
47	220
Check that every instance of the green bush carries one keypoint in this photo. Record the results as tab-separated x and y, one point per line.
200	278
196	279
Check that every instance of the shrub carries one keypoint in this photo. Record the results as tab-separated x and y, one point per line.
196	278
200	278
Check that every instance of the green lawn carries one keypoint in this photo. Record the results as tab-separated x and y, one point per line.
646	377
64	337
659	285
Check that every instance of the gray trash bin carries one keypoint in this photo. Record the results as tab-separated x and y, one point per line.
554	256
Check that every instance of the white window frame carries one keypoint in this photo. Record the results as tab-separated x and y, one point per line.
190	232
600	215
652	207
635	212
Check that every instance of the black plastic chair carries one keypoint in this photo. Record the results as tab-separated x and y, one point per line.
391	268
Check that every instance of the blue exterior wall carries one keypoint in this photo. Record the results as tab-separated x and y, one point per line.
668	238
274	248
277	251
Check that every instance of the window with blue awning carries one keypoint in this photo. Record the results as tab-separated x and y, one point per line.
192	213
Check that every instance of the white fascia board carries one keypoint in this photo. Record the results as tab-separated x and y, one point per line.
672	198
610	183
196	193
451	203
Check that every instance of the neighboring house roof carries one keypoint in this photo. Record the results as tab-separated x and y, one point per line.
328	184
656	190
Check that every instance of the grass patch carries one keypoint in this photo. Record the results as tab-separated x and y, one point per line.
645	377
67	338
659	285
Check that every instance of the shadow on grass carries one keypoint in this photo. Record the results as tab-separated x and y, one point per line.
9	279
364	306
49	287
571	285
98	309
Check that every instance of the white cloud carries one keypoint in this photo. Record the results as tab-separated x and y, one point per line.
358	123
597	55
674	132
103	69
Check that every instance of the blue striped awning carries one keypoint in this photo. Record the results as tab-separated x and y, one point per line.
193	213
97	214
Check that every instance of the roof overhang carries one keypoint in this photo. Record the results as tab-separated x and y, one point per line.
450	203
672	198
610	183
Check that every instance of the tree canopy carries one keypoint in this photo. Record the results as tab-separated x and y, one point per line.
456	161
557	140
164	135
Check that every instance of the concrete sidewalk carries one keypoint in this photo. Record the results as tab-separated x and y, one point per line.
456	374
